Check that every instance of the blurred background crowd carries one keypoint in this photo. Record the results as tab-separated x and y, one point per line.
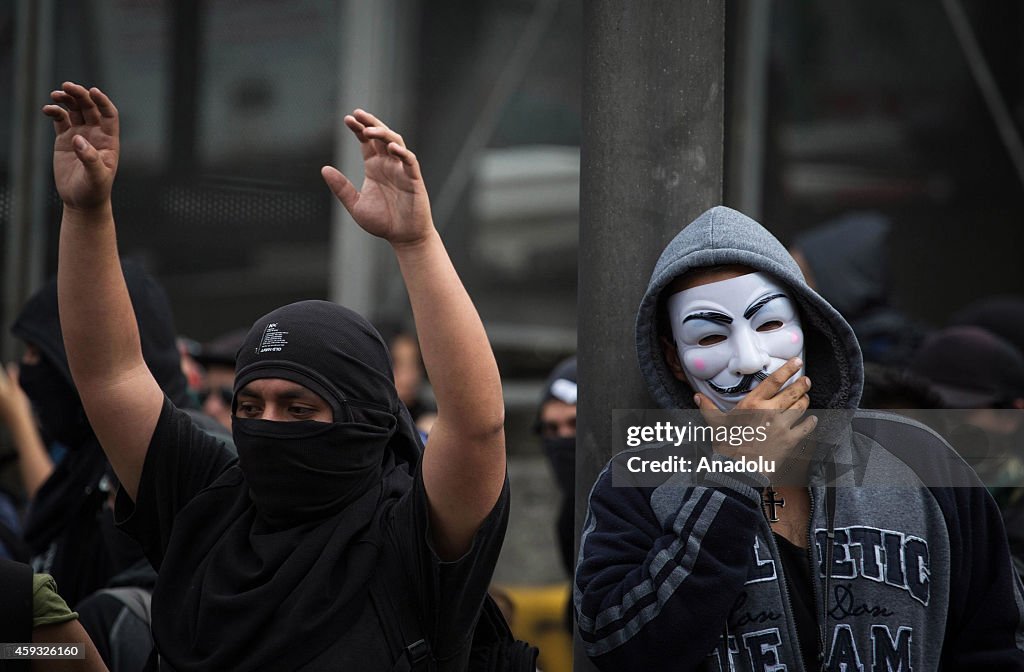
881	143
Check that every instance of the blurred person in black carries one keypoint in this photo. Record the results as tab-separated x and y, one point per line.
556	426
407	366
70	527
896	388
1001	315
218	361
282	557
973	369
845	260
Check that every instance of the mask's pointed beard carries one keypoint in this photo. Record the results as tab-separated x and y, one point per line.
745	385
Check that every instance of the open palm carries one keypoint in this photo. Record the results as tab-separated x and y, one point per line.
393	202
85	151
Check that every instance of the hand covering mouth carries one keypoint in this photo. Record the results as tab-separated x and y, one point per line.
745	385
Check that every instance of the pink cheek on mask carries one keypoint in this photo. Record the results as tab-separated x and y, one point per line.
794	337
699	364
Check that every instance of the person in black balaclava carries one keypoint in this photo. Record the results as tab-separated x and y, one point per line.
295	555
556	425
70	521
101	571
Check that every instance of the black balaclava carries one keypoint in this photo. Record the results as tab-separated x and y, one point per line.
48	384
63	524
561	453
55	401
303	509
305	471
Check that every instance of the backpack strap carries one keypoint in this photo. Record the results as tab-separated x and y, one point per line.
494	645
16	614
402	629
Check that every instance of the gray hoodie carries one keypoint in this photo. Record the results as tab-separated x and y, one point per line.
723	236
689	576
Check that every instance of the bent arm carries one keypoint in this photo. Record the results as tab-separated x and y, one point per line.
655	586
464	464
118	392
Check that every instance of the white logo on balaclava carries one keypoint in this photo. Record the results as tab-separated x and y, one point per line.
733	334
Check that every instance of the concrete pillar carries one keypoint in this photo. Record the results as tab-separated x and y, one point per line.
29	167
652	160
374	45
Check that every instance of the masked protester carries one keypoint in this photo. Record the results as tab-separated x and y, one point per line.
335	541
102	572
556	425
70	521
881	565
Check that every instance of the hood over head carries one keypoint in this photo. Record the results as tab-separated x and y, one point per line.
722	236
1003	315
561	383
39	323
847	257
970	367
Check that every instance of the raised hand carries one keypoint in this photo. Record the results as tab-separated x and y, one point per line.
393	202
86	149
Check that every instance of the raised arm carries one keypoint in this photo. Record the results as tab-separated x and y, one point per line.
120	395
464	463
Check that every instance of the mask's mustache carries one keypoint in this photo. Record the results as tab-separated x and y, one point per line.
745	385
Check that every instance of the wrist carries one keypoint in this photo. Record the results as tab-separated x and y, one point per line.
416	245
90	212
20	424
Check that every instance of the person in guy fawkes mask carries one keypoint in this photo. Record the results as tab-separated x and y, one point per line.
882	563
334	541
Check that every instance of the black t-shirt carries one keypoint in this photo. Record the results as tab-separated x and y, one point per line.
175	499
797	569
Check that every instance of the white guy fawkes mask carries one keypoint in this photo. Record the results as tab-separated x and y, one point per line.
733	334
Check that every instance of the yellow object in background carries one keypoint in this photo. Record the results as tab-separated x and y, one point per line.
539	618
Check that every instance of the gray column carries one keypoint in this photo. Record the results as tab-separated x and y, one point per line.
653	83
751	24
374	45
30	176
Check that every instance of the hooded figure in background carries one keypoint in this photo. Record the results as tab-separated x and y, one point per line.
70	522
1003	315
697	574
845	261
556	425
